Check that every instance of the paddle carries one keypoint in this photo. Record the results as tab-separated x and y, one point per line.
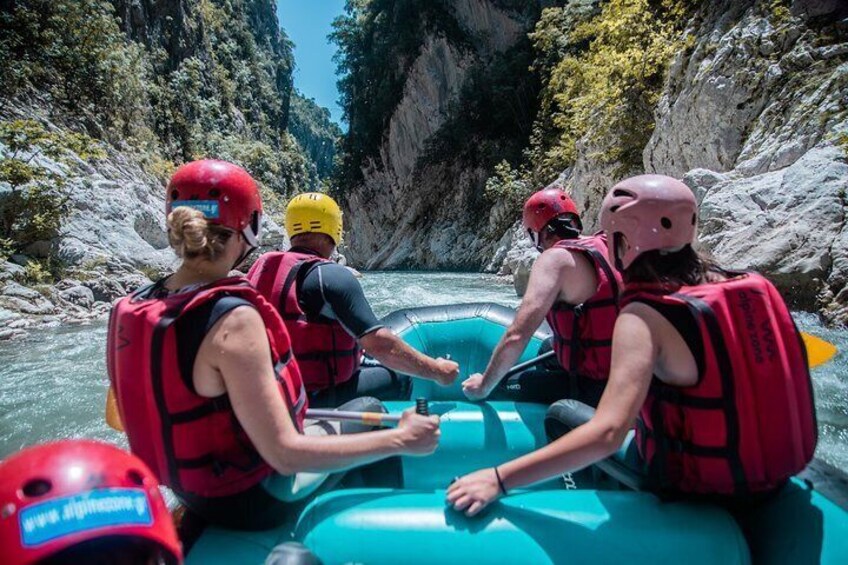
819	351
113	417
530	363
367	418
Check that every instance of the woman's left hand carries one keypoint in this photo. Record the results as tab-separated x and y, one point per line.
473	492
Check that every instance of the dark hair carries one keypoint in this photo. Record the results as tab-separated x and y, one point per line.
565	226
686	267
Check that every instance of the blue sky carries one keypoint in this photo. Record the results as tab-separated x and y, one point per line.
307	23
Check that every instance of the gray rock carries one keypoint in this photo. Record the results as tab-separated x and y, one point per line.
39	249
8	316
10	271
784	223
78	295
10	334
702	180
104	289
519	261
20	291
20	259
132	282
35	307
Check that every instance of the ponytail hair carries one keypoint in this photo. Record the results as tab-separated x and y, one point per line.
686	267
192	236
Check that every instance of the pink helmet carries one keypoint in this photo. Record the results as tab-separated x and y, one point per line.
57	495
649	212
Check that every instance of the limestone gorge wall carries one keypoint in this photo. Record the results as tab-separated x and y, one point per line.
411	210
753	114
754	117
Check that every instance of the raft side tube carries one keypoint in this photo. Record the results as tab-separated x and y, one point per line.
575	527
466	332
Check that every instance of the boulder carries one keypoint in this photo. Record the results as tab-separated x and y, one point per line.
518	263
105	289
79	296
787	223
9	271
24	300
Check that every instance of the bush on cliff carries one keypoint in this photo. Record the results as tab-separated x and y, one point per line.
602	78
35	202
232	81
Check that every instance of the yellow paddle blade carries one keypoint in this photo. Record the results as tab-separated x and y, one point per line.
113	416
819	351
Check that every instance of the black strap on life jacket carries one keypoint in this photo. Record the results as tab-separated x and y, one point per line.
169	420
666	394
574	343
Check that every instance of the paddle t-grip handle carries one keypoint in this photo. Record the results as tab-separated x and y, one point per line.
421	406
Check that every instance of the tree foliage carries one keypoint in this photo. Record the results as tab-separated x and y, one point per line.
378	40
314	130
602	78
33	205
218	78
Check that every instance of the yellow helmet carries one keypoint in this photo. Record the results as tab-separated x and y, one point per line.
314	212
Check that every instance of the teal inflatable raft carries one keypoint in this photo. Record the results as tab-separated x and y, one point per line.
587	518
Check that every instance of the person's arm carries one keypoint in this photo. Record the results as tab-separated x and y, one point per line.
343	293
547	278
238	348
394	353
633	356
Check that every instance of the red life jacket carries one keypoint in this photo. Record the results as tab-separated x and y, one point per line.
583	333
749	423
326	353
194	444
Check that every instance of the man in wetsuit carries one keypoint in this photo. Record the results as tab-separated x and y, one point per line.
329	318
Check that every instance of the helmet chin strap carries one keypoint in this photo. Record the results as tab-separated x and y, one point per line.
535	239
252	240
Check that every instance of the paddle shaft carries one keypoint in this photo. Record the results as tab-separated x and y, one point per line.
531	363
370	418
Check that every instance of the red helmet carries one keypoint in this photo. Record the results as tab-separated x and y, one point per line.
225	193
57	495
544	206
650	212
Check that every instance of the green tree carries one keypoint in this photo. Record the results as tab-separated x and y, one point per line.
602	77
33	206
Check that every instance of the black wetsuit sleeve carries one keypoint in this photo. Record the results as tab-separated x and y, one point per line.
331	291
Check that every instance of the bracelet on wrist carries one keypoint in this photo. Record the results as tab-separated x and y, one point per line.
500	481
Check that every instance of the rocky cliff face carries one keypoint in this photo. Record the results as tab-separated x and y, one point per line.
112	238
112	242
754	117
411	209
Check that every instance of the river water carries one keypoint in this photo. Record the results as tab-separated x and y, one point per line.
53	383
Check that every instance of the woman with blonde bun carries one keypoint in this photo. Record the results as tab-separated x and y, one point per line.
201	368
